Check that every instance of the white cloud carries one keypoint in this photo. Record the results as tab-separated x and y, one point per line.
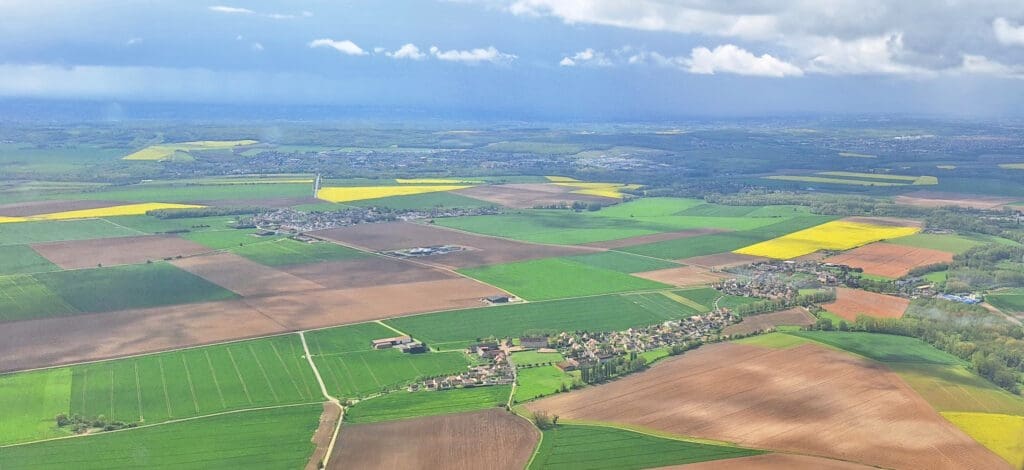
1008	34
873	55
133	41
379	50
345	47
231	10
731	59
473	56
587	56
981	65
407	51
257	47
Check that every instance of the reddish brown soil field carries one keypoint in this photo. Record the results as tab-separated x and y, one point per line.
886	259
657	237
366	272
525	196
806	399
322	437
492	439
797	316
22	209
852	302
682	276
244	277
54	341
941	199
722	260
484	250
114	251
773	462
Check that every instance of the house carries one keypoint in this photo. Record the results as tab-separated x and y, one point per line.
497	299
385	343
414	347
568	365
533	342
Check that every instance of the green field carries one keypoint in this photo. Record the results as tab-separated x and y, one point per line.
537	382
150	224
130	286
272	438
22	233
881	347
423	201
29	402
945	242
954	388
286	251
229	239
556	278
23	297
184	192
351	368
532	358
650	207
775	340
1011	301
21	259
402	404
601	313
622	262
723	242
598	447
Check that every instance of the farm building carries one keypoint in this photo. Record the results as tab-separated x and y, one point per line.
385	343
497	299
414	347
533	342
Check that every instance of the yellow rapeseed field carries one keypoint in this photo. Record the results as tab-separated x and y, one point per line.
359	193
127	209
835	235
166	151
435	181
1002	434
612	190
561	179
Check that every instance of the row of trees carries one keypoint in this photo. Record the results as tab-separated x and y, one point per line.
613	367
774	305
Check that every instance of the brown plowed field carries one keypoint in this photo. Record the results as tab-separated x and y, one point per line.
722	260
331	307
525	196
797	316
941	199
484	250
366	272
657	237
244	277
53	341
773	462
806	399
851	302
682	276
22	209
492	439
887	259
114	251
324	431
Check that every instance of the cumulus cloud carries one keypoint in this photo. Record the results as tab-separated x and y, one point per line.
731	59
872	55
587	56
256	47
1007	33
345	46
407	51
981	65
231	10
473	56
133	41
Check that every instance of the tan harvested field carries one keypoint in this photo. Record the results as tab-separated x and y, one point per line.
886	221
23	209
492	439
852	302
483	250
366	272
942	199
244	277
329	307
773	462
657	237
114	251
722	260
682	276
797	316
46	342
528	195
886	259
806	399
322	436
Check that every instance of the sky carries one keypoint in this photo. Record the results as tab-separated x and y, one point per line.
602	59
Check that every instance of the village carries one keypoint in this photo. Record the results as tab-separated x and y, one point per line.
291	221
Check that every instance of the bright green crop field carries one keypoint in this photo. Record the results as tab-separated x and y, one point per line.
622	262
23	296
21	259
271	438
535	382
555	278
402	404
21	233
1008	301
723	242
880	347
30	401
598	447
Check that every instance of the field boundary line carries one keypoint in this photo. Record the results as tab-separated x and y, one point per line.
323	390
191	387
241	380
138	391
140	232
396	330
163	381
216	383
263	371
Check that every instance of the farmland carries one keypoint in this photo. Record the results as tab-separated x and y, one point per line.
456	441
54	231
547	279
180	151
852	302
836	235
1000	433
573	446
30	401
1010	301
20	259
541	381
403	405
622	262
290	252
127	209
883	348
272	438
954	388
360	193
890	260
116	251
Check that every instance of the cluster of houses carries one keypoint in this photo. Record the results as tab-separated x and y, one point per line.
498	371
287	220
782	280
